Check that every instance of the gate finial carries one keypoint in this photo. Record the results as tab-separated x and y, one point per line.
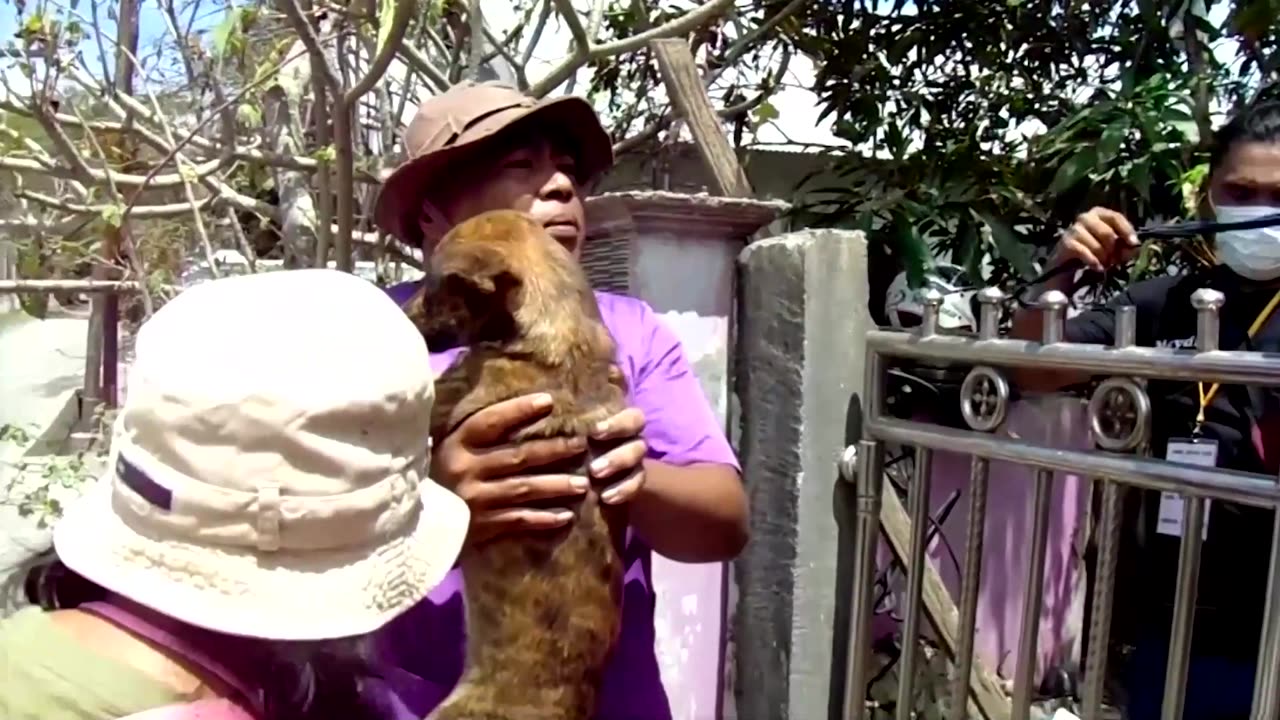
1053	303
1207	301
989	300
932	301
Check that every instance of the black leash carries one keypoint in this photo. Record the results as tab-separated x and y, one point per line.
1171	231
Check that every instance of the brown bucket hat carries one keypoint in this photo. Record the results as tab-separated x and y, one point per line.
452	124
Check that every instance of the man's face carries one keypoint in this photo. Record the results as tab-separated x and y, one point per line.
529	174
1249	175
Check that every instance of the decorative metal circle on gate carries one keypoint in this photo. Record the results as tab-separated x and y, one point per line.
984	398
1120	415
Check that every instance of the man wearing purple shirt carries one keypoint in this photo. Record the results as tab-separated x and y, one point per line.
484	147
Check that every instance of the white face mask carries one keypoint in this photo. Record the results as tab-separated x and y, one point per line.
1252	254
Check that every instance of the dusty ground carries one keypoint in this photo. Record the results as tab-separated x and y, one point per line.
41	369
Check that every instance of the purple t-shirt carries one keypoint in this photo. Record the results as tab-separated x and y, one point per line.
680	429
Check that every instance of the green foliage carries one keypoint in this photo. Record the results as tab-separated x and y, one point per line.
325	154
229	38
15	435
978	130
113	214
38	488
386	9
43	501
30	265
246	47
621	87
1253	23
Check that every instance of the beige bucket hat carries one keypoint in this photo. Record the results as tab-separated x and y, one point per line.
453	124
267	475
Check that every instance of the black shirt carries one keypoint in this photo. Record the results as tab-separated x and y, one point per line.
1234	561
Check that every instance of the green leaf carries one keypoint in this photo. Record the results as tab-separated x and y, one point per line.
328	153
113	214
1076	168
224	34
764	113
1112	140
14	434
1009	244
1148	252
913	250
34	26
973	250
36	305
386	12
1140	178
249	114
1190	183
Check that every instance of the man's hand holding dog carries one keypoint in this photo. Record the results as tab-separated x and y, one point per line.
498	479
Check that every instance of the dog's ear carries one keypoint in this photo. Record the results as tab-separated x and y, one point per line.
481	281
486	296
478	271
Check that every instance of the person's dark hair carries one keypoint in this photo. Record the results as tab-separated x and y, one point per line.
1257	122
306	680
53	586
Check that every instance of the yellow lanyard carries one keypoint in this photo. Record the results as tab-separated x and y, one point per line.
1207	397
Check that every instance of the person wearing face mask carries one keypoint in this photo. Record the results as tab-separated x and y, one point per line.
1240	425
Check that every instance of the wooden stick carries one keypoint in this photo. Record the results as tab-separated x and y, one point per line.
984	687
680	75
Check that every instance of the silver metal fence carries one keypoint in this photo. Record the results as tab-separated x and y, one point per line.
1120	423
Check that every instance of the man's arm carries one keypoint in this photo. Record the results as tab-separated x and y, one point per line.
692	513
692	506
1098	239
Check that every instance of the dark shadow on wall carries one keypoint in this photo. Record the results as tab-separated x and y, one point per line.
844	507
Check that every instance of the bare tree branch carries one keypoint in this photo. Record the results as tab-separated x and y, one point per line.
105	177
343	106
399	24
307	35
685	23
581	43
543	15
416	60
731	55
475	38
138	211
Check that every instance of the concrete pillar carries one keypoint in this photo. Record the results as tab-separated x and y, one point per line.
799	356
677	252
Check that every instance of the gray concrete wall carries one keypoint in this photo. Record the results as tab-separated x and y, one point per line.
677	167
798	361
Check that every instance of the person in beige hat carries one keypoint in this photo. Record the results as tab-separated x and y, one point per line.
481	147
266	504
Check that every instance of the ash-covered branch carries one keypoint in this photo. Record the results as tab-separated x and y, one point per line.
684	24
394	36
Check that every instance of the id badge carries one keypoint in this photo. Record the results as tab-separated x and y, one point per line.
1189	451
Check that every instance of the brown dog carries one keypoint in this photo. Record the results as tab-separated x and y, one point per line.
543	609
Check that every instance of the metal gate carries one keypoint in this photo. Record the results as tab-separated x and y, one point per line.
1120	422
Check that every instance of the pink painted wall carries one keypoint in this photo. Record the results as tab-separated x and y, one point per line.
677	252
691	617
1050	421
